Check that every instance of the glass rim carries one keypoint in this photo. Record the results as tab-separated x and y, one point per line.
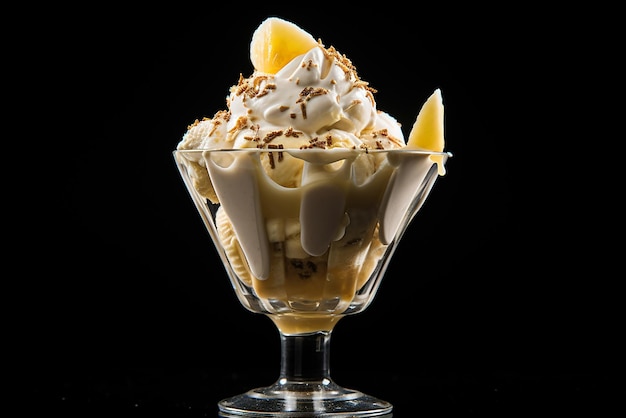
318	150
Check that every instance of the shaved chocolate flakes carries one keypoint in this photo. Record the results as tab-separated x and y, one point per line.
291	133
316	143
303	110
308	65
271	155
271	135
257	86
307	94
342	61
266	89
255	138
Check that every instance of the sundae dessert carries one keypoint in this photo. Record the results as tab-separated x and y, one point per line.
306	215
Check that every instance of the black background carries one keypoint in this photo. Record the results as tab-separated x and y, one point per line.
501	297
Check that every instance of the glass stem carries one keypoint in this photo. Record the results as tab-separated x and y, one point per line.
305	358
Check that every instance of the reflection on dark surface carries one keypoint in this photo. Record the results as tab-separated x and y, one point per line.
158	392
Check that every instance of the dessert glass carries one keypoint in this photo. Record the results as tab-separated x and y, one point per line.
308	254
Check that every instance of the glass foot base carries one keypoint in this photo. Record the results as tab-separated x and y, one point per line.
319	399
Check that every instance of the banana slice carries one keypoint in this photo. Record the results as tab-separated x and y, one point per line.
231	247
276	42
428	131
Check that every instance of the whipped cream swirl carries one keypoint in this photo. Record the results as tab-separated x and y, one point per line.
315	101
